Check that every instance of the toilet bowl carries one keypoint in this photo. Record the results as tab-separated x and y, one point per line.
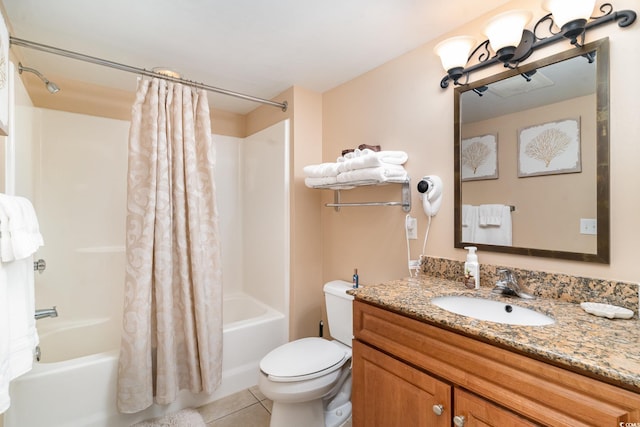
309	379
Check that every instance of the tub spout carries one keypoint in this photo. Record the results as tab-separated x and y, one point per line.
47	312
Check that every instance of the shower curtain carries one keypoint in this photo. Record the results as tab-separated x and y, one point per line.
172	325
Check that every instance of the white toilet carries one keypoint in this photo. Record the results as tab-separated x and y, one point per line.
309	380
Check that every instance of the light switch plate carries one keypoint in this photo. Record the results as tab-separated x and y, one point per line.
588	226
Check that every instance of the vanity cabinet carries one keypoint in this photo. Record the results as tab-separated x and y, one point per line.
406	370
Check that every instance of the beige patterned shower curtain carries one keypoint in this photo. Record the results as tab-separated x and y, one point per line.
172	330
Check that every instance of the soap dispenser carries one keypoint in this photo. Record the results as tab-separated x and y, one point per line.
472	269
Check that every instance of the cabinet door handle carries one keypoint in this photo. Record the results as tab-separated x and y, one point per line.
458	420
438	409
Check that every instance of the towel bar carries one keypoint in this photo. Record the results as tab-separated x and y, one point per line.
405	203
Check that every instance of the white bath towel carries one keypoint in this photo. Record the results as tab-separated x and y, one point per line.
322	170
18	336
393	157
320	182
469	222
379	174
490	215
372	159
353	154
474	232
19	229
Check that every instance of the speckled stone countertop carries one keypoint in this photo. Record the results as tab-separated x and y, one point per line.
604	348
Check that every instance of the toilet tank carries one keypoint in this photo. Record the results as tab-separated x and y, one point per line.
339	310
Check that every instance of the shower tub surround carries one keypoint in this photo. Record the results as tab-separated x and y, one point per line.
75	385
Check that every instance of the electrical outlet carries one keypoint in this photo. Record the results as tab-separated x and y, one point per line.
588	226
412	228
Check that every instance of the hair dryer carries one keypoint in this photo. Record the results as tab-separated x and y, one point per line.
430	191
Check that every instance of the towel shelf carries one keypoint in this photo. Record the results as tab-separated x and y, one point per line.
337	204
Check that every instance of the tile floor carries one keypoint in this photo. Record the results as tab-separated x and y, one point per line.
248	408
243	409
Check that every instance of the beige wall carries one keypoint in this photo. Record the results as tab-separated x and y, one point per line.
538	222
305	112
401	106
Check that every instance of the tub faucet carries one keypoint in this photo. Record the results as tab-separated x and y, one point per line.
47	312
508	285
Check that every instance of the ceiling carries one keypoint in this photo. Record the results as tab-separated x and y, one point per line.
256	47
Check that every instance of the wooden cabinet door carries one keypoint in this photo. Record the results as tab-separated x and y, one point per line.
390	393
478	412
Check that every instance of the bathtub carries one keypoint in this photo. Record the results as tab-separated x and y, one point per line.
78	389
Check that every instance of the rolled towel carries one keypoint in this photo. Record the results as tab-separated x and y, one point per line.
393	157
354	154
372	159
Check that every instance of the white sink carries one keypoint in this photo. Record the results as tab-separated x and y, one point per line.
492	311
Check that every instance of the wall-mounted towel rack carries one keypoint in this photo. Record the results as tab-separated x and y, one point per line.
337	203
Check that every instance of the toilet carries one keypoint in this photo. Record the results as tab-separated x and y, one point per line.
309	379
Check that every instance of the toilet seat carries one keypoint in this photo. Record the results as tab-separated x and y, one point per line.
303	359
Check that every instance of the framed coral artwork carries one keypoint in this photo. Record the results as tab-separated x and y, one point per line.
550	148
479	158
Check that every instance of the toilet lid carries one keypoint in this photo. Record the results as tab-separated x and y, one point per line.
301	358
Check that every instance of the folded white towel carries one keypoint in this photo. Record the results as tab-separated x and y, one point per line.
489	215
373	160
319	182
321	170
379	174
20	232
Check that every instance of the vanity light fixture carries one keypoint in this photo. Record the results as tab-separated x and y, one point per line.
512	43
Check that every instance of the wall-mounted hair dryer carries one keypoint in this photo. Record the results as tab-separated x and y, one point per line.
430	189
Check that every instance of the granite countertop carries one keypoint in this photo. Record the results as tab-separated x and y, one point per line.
606	348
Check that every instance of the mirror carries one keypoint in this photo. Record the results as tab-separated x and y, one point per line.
531	147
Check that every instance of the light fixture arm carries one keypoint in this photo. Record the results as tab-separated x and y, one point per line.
531	41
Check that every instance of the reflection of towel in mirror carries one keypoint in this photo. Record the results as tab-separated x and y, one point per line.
469	222
497	228
490	215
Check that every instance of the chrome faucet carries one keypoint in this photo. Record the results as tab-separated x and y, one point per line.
508	285
47	312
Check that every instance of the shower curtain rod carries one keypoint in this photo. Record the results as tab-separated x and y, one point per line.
122	67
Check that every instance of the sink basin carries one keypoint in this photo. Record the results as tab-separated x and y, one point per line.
492	311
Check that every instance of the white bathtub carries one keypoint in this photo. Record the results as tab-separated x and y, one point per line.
74	385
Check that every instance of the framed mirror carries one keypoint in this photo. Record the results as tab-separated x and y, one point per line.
531	153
